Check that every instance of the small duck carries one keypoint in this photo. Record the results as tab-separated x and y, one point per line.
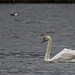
13	14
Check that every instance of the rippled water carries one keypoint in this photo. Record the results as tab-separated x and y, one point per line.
21	51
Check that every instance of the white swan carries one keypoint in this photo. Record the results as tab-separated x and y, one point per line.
66	55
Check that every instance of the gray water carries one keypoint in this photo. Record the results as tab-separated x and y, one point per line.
21	51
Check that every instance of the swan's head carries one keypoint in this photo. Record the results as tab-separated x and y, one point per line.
46	38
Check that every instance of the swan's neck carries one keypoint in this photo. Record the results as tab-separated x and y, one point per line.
48	50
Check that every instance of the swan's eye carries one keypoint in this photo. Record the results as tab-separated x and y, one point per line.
44	38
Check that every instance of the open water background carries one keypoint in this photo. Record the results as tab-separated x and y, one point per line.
21	51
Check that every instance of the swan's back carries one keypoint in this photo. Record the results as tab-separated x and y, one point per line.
66	55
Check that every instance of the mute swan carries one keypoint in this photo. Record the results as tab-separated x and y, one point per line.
66	55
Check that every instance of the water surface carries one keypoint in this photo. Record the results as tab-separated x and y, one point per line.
21	51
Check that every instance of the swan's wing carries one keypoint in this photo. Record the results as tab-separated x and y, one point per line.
66	55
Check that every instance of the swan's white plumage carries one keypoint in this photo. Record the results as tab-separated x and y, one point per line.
66	55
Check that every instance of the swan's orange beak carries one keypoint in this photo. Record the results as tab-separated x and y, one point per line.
43	40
